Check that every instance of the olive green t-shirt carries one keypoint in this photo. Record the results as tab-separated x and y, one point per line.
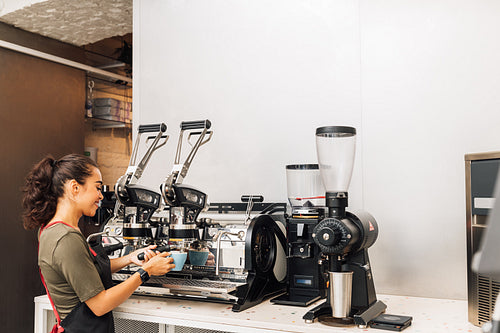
67	267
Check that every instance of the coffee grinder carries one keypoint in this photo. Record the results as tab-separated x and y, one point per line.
306	277
343	237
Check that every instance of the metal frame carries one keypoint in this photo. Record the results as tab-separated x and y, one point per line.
44	321
70	63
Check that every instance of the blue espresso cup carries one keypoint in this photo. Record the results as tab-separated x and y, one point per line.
179	259
198	258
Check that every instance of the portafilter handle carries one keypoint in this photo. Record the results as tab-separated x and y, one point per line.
162	248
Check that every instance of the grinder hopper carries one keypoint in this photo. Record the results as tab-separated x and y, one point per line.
336	147
304	186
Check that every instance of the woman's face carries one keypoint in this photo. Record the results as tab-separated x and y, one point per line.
90	194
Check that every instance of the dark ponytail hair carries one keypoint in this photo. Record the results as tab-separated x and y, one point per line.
45	185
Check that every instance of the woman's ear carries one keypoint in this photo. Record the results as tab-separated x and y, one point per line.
73	187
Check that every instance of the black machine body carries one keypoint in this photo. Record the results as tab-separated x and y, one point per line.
307	278
139	206
264	239
188	204
344	238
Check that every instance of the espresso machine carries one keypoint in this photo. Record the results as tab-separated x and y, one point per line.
248	262
243	243
344	237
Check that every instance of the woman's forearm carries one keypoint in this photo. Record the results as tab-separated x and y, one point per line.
110	298
118	263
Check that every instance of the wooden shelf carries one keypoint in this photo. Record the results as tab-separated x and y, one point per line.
113	90
99	123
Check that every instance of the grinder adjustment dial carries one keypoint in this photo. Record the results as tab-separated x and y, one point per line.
332	236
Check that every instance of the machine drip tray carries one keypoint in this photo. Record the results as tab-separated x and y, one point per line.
194	284
336	322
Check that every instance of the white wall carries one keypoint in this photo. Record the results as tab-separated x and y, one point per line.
417	78
266	73
430	88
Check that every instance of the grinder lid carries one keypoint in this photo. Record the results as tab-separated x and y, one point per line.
345	130
302	167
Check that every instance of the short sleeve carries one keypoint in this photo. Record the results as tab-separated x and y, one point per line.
72	257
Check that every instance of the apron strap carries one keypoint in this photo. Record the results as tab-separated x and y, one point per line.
57	327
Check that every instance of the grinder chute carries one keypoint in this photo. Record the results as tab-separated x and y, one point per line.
343	237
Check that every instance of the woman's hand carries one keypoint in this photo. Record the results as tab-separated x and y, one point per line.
159	264
148	254
119	263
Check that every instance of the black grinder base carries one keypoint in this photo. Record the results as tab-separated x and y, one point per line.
336	322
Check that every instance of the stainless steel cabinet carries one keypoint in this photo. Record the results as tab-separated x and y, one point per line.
481	171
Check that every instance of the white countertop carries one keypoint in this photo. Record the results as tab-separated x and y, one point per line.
429	315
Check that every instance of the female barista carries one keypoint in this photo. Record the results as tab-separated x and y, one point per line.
78	280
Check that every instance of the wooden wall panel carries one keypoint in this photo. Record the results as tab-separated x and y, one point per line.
41	112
